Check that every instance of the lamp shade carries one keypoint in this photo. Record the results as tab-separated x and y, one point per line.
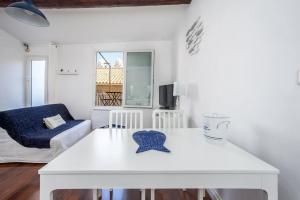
179	89
28	13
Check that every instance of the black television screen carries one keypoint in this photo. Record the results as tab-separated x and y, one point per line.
163	95
166	98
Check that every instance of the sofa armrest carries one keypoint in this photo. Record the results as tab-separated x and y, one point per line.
71	136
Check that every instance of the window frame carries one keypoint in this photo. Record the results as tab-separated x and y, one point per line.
152	79
124	81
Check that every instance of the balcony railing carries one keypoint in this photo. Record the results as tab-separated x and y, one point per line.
108	99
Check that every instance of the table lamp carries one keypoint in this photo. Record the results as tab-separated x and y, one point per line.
178	91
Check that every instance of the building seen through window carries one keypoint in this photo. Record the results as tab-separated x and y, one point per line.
109	79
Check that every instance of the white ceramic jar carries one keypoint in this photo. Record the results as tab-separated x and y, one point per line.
215	125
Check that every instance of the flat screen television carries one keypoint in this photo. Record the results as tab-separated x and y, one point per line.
166	98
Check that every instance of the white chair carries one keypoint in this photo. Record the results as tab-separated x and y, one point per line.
126	119
120	120
171	119
168	119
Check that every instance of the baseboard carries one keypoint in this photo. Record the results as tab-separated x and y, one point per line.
213	193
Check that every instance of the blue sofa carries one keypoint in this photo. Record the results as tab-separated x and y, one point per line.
26	125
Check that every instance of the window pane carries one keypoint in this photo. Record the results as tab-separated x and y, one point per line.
139	79
109	79
38	80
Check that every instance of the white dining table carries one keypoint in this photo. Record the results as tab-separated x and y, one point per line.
108	159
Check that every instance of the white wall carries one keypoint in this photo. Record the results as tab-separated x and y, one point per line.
247	67
77	91
38	49
12	79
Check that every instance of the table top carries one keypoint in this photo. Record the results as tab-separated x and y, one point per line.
105	152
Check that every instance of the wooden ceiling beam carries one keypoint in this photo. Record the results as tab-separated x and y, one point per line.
97	3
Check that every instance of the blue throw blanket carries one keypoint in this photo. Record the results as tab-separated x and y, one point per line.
26	125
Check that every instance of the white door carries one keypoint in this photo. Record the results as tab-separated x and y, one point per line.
36	81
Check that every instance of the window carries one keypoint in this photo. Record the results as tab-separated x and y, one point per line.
37	73
109	78
124	79
139	79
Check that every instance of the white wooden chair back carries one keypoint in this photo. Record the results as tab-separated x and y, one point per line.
126	119
168	119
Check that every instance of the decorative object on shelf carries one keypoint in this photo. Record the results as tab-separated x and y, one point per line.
63	71
215	125
150	140
179	91
194	37
26	12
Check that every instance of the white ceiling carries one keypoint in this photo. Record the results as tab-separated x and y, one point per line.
99	25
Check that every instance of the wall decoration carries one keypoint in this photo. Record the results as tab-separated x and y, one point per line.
194	37
67	71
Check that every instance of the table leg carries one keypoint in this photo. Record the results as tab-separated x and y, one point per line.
201	194
143	194
152	194
46	194
270	186
96	194
272	195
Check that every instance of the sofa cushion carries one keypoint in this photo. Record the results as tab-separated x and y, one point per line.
26	125
54	121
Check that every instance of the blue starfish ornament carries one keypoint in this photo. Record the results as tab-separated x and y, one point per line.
150	140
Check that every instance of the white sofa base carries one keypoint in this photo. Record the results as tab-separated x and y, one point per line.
11	151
